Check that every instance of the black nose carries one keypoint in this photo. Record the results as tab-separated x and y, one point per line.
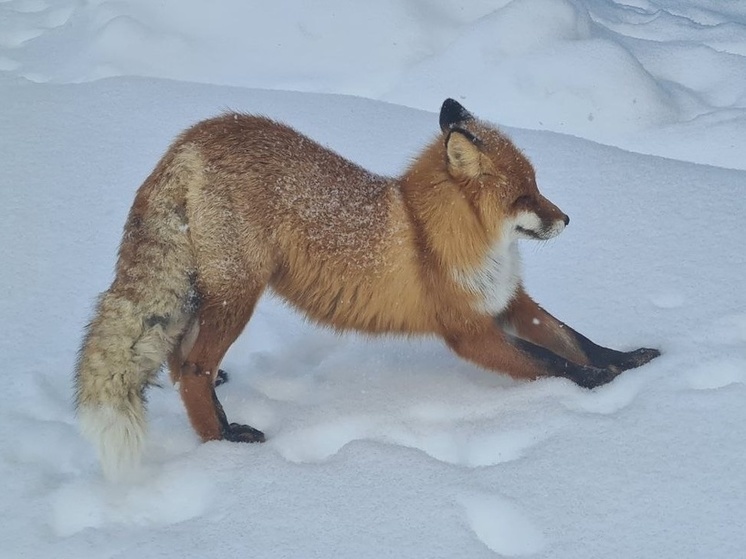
567	220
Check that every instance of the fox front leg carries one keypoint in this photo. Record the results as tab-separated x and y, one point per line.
488	346
533	324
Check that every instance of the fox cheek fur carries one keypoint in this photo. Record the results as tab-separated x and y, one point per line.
240	204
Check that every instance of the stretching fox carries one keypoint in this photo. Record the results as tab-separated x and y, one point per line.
240	203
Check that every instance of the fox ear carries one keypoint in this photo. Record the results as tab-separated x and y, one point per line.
452	114
463	154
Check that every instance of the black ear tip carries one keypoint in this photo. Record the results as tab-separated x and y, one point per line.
449	104
451	113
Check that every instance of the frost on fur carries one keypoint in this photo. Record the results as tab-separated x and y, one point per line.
241	203
117	435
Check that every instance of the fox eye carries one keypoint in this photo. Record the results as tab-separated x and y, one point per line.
523	201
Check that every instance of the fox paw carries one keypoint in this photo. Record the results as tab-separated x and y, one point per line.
221	378
591	377
636	358
238	433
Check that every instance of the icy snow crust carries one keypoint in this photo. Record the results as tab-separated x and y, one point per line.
384	447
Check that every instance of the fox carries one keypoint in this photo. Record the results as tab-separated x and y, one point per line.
241	204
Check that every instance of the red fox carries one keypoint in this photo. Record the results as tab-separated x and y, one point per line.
241	203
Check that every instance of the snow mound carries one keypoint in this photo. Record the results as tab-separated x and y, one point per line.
656	76
543	71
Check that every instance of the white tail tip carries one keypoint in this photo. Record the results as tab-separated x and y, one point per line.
118	436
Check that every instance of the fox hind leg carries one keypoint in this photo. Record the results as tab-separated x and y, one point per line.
178	356
180	351
221	377
219	326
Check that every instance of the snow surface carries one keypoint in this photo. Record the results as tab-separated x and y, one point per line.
387	447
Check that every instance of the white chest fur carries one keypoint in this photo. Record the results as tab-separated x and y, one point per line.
496	280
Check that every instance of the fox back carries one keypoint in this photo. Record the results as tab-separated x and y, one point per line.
356	250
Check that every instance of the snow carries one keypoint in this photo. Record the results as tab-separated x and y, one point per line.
391	447
656	76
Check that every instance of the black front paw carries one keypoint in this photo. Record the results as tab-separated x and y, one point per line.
238	433
591	377
636	358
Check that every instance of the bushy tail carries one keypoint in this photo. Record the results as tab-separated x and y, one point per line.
122	352
137	322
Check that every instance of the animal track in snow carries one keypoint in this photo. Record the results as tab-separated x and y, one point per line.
8	64
669	300
287	378
58	17
472	450
13	38
30	6
285	388
725	342
502	526
717	374
729	330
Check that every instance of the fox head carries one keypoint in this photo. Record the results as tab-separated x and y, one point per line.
496	178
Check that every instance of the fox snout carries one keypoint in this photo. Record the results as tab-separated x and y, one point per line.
541	220
555	227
